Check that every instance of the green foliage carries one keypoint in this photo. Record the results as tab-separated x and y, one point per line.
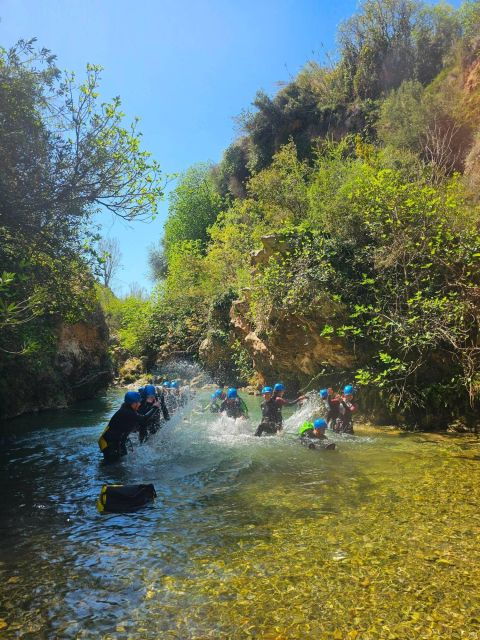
232	173
194	207
127	319
242	361
281	188
469	14
389	42
404	117
63	156
340	209
407	271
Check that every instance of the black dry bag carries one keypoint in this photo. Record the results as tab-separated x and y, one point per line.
122	498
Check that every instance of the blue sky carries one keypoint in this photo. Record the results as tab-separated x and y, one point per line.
186	68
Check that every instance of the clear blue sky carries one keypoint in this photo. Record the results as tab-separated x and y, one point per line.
186	68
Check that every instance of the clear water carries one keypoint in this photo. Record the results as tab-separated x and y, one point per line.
249	537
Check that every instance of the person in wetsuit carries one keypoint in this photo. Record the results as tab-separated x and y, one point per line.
271	414
170	400
220	391
179	397
113	441
149	397
233	405
272	410
312	435
331	403
215	401
344	422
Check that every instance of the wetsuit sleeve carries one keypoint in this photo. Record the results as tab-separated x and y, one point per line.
164	409
223	406
146	417
289	403
347	405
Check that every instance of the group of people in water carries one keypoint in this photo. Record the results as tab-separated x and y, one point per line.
338	410
144	411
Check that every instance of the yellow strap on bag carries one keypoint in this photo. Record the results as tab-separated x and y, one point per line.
102	497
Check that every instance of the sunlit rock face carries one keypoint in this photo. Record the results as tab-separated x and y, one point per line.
287	346
292	349
77	367
82	356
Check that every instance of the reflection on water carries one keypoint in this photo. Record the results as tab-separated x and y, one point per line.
249	538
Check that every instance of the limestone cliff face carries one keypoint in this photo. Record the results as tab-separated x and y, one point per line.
82	356
75	367
292	350
287	346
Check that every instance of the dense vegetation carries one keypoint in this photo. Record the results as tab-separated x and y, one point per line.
366	171
63	157
363	172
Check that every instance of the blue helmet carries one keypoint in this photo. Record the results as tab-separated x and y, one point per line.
267	390
279	387
214	396
174	384
131	397
323	393
149	390
141	391
232	393
320	424
348	390
217	394
166	384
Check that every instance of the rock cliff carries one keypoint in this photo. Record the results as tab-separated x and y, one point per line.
82	357
75	367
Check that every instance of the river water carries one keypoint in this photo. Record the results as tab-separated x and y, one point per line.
249	537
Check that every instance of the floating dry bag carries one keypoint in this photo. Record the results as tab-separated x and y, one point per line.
121	498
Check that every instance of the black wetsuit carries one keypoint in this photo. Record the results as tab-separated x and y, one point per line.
271	418
113	441
308	439
234	408
332	406
153	425
344	422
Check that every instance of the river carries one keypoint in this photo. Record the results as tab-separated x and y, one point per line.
249	537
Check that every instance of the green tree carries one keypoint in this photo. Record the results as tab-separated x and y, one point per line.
404	117
194	207
388	42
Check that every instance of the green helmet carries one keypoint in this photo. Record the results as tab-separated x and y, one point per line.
306	426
